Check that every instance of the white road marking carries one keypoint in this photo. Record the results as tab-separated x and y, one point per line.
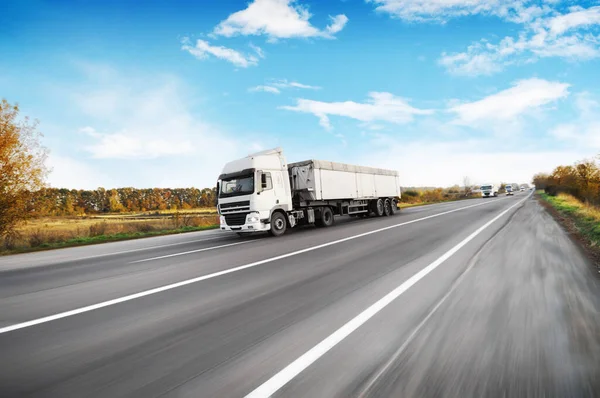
216	274
284	376
191	251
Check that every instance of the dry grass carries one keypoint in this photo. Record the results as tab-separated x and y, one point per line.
583	209
585	217
49	232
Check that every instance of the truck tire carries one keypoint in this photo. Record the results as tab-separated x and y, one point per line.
278	224
387	208
378	207
326	219
393	206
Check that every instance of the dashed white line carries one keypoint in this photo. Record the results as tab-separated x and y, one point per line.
216	274
284	376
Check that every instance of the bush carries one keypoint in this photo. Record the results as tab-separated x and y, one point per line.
98	229
145	227
36	238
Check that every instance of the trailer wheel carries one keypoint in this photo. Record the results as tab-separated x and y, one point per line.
326	219
278	224
393	206
387	208
378	207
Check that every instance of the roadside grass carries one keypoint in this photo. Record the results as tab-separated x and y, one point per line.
58	232
586	218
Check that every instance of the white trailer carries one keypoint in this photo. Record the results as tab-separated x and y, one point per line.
308	192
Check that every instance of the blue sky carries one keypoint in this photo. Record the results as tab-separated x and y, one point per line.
164	92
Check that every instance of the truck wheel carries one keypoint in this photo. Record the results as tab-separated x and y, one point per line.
278	224
394	206
326	219
387	208
378	207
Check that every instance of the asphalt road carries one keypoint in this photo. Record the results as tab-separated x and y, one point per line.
486	297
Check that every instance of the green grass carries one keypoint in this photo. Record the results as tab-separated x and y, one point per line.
586	218
91	240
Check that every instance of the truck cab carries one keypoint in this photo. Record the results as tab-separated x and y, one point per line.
251	189
509	190
489	190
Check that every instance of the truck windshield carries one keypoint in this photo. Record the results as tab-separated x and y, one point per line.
486	187
237	186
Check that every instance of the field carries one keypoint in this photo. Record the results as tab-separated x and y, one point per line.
63	231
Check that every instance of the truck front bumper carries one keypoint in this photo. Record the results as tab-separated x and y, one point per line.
257	226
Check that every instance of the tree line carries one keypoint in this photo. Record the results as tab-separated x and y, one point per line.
581	180
60	201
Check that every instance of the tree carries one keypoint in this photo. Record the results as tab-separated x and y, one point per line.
467	185
22	168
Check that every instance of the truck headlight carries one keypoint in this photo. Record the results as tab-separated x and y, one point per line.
222	219
253	217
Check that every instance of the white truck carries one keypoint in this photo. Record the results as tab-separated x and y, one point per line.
489	190
262	192
509	190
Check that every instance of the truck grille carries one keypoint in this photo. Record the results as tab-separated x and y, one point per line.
234	207
235	219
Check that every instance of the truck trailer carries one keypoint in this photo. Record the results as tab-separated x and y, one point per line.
262	192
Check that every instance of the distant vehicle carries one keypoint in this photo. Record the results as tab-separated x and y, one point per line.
489	190
262	192
522	189
509	190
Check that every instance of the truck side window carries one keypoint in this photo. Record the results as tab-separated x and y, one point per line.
265	181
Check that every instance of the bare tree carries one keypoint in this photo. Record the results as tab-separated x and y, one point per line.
467	185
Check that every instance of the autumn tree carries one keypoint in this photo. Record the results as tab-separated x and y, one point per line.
22	168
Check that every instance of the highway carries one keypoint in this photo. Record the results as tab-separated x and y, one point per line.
483	297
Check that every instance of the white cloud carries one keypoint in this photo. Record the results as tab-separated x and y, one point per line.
543	37
259	51
379	107
266	89
337	24
278	19
578	17
525	95
130	145
448	162
141	122
203	50
149	136
274	86
75	174
583	131
284	83
442	10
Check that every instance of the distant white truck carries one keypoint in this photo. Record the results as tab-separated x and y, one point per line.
489	190
509	190
262	192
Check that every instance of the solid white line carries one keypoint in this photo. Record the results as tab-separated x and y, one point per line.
215	274
191	251
284	376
